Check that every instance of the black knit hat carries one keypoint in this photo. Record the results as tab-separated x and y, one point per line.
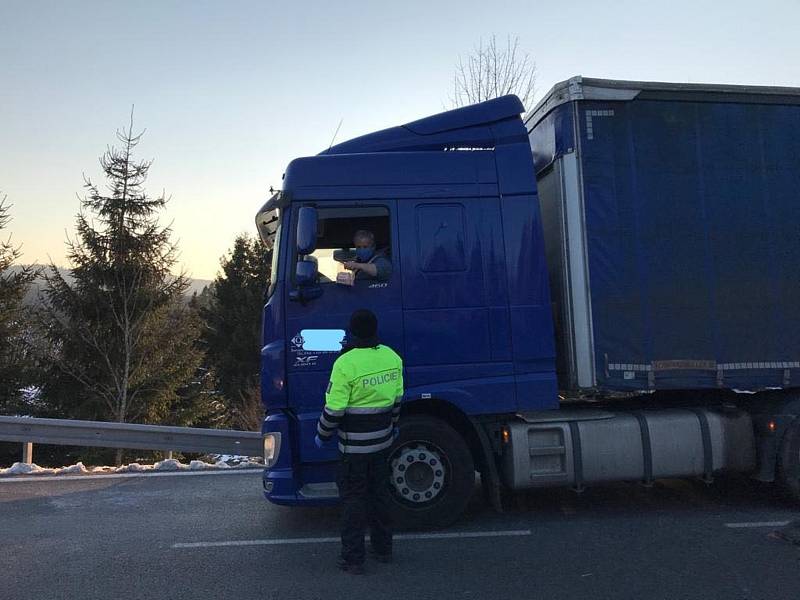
363	324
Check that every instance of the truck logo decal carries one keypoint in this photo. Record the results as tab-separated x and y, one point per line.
297	342
306	361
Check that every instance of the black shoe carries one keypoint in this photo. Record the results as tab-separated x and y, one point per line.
381	558
352	568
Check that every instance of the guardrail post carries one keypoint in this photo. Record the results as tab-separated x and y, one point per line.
27	452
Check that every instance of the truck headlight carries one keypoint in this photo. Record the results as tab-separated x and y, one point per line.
272	448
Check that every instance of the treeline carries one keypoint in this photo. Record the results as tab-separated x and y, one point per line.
113	338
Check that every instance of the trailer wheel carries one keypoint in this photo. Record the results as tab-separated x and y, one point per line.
789	460
432	474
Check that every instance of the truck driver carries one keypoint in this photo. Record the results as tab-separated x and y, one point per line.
369	263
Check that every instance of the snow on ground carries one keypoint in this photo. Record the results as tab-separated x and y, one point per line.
170	464
230	459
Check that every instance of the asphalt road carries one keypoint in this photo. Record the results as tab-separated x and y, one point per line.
213	536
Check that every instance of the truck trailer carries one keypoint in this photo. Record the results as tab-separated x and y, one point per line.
605	289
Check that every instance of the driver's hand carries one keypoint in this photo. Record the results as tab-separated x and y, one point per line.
351	265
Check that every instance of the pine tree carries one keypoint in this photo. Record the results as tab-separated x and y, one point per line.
232	315
14	349
200	403
122	342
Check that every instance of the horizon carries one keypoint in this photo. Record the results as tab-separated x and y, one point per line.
229	93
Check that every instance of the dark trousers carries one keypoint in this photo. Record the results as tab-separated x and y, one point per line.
363	481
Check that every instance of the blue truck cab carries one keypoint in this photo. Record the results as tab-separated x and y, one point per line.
475	252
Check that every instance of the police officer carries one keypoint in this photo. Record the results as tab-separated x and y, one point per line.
363	403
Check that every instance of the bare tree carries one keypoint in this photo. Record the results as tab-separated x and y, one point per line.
493	70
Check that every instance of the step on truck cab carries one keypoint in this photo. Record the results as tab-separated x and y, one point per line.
579	296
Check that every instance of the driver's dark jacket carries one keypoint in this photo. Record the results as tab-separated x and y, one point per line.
383	266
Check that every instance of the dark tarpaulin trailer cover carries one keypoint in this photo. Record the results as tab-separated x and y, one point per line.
672	228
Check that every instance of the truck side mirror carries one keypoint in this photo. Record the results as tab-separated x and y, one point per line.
306	230
306	280
306	273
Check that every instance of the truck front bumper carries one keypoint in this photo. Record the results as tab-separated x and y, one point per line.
286	480
284	487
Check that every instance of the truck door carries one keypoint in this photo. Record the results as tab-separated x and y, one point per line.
455	302
316	327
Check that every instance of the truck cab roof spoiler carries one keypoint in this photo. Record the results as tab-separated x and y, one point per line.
483	125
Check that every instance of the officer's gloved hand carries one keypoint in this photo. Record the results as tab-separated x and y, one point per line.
320	443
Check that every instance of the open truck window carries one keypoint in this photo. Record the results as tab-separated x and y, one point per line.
336	227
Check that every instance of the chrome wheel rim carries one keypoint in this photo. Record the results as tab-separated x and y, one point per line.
419	473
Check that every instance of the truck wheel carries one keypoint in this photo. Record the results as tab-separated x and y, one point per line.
432	474
789	460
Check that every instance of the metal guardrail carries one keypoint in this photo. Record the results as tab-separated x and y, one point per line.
66	432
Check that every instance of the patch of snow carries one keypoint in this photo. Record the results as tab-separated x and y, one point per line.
235	459
19	468
169	464
76	468
31	394
225	457
134	467
34	469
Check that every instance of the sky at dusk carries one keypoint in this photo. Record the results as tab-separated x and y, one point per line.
230	92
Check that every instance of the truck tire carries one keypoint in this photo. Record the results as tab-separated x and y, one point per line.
789	460
432	474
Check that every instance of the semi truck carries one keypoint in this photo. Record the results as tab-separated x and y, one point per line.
603	289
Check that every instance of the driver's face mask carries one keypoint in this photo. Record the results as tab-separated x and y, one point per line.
364	253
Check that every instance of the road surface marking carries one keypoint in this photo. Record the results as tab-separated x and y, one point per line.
331	540
102	476
757	524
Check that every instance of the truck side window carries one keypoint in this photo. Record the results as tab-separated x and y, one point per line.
336	229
